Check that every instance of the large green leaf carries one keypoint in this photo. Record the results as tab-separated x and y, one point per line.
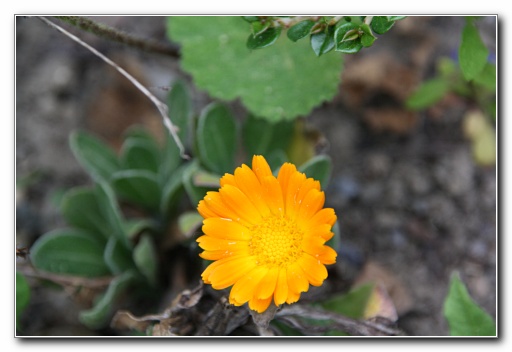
464	316
283	81
69	251
216	138
94	155
472	52
100	314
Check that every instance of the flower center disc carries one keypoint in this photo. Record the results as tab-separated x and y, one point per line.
276	241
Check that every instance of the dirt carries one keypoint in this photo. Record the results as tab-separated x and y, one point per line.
413	206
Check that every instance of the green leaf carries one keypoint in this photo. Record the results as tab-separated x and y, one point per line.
319	167
109	207
367	40
100	315
96	157
277	136
464	316
69	251
171	191
300	30
140	154
395	18
429	93
323	42
117	257
342	38
216	138
145	258
194	192
472	52
180	113
133	227
251	19
263	39
189	222
276	159
22	296
351	304
80	208
381	24
206	179
267	81
139	187
487	77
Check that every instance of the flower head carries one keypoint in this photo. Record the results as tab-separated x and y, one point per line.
266	235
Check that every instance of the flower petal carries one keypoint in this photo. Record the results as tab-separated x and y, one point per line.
243	290
281	288
311	204
227	179
315	271
272	195
205	212
260	305
328	256
260	167
249	184
221	254
226	229
297	281
215	204
240	204
267	285
322	217
225	272
209	243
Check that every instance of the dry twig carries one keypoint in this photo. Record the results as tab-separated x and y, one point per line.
162	108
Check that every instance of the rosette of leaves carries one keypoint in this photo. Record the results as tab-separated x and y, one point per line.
103	241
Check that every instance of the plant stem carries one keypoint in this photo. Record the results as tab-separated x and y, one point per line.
113	34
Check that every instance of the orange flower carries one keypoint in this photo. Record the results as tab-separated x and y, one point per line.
266	235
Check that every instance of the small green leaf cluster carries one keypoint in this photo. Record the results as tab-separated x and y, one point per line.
150	179
346	34
474	77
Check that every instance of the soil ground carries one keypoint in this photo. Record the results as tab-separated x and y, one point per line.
413	205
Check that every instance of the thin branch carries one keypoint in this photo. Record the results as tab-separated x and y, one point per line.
110	33
65	280
339	322
162	108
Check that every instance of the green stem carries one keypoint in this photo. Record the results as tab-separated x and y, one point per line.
118	36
